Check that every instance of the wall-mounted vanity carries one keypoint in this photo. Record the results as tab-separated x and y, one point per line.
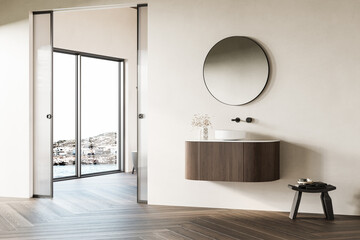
233	161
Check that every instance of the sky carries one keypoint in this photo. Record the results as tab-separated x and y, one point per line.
99	96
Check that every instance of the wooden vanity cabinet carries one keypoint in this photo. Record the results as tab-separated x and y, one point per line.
233	161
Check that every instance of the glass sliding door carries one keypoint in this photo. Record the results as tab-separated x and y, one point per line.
64	109
42	102
88	114
142	195
100	112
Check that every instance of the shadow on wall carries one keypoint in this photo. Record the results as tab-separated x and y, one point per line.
299	161
356	202
13	11
296	161
272	73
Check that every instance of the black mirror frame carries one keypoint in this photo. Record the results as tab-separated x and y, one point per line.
267	79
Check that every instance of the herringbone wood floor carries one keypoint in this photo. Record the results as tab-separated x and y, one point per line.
105	208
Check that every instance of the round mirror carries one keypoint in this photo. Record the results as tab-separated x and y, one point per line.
236	70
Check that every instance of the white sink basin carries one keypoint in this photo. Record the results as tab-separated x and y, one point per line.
228	135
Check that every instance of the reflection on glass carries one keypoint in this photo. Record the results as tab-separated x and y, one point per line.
236	70
99	115
64	100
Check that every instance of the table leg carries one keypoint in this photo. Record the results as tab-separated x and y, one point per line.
327	206
323	204
295	205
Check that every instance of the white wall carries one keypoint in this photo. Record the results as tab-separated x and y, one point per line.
14	109
311	102
109	32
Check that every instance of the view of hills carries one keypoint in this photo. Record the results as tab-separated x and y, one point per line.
100	149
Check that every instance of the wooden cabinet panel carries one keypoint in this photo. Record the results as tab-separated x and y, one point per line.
220	161
232	161
261	161
192	160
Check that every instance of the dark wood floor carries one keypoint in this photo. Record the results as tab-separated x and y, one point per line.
105	208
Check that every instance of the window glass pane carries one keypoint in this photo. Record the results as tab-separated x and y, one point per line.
64	109
99	115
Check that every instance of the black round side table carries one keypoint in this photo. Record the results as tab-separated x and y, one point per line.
325	199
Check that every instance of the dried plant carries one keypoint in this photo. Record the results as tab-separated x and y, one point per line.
201	120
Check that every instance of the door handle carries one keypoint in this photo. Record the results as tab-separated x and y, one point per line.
141	116
49	116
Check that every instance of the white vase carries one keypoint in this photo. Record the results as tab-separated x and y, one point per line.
204	133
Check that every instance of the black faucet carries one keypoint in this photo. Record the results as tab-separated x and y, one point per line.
248	119
236	119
